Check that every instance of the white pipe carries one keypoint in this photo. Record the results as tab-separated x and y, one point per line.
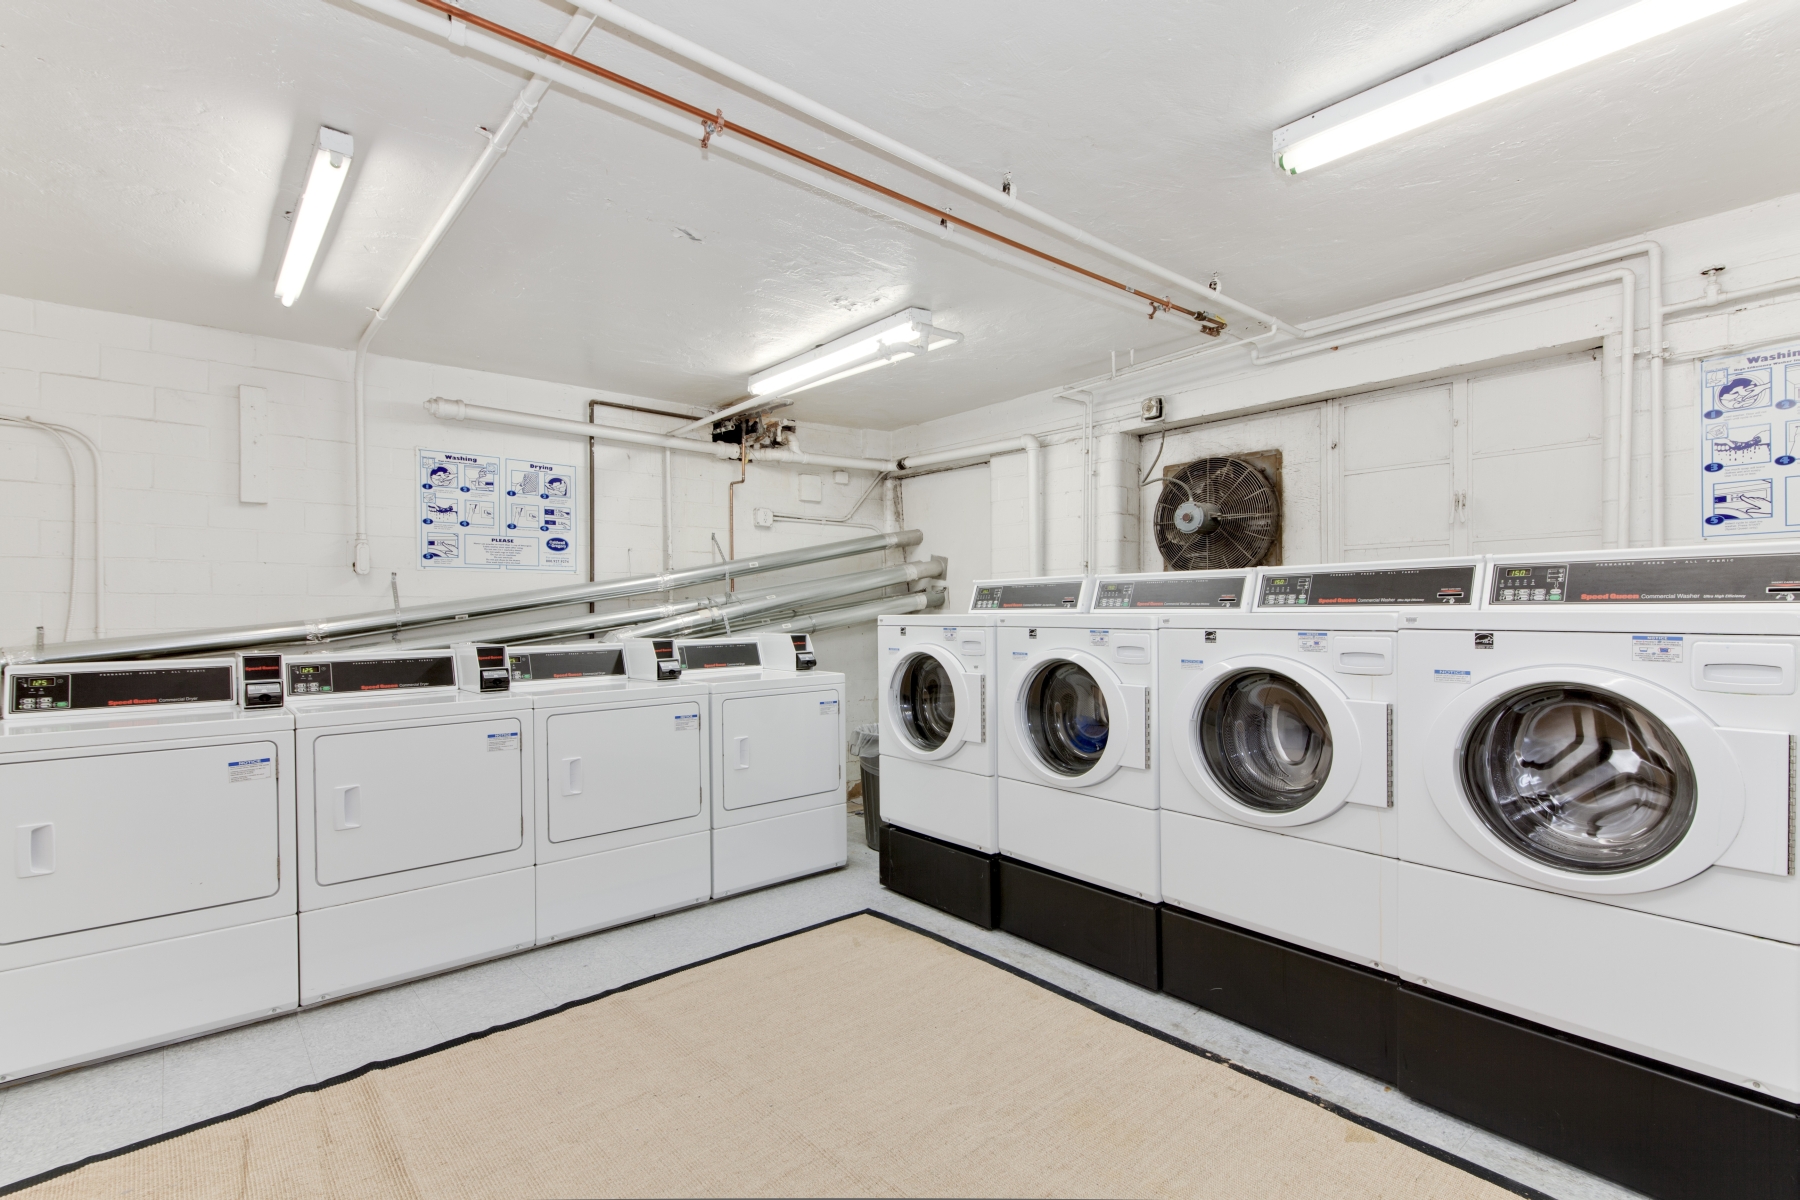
1090	544
523	106
668	514
99	486
1627	373
1034	502
1742	294
793	454
1008	200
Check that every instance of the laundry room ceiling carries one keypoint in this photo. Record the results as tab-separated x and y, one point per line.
151	149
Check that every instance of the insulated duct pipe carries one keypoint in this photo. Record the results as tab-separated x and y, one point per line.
794	597
523	106
1034	482
855	614
207	641
459	410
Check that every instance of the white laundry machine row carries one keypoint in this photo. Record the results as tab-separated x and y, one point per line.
415	817
152	890
1598	916
939	744
1278	826
775	750
622	824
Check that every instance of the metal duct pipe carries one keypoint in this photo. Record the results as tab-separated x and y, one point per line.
855	614
969	456
825	589
213	640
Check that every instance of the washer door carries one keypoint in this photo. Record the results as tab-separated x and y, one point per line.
1585	780
934	706
1276	743
1074	723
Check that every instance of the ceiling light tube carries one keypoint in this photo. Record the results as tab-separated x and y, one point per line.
324	182
836	357
1567	37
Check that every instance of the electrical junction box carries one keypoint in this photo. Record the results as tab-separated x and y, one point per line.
812	489
764	517
841	478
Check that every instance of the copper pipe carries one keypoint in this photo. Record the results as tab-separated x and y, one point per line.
714	123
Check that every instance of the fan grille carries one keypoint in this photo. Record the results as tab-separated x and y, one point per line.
1248	514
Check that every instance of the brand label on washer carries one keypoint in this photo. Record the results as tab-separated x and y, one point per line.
1021	654
1192	664
1656	647
828	708
248	769
1442	675
502	741
686	721
893	649
1312	643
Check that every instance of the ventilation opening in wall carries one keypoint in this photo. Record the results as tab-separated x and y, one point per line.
1220	513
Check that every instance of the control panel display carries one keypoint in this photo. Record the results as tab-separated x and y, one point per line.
354	676
1742	579
536	666
262	680
1173	592
707	656
1392	586
1026	594
81	690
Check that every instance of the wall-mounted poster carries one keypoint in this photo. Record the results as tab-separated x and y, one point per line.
482	512
1750	444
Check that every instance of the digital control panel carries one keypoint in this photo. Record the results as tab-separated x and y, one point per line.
1172	592
1028	593
358	676
77	691
262	680
711	656
1384	586
1725	579
536	666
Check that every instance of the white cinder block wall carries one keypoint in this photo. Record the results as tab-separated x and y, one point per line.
161	399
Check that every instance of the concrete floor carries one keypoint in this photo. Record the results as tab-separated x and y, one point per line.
61	1119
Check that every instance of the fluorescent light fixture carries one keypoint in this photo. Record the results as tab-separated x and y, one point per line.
330	166
1574	34
869	347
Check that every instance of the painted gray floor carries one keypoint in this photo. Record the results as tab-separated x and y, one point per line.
49	1122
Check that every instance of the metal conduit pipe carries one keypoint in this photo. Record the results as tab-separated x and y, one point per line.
213	640
794	597
855	614
1034	481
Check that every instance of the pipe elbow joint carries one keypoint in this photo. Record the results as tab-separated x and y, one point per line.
446	410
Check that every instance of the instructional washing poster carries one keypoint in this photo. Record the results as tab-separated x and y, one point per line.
1750	444
480	512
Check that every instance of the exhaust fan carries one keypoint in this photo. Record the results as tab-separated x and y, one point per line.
1216	513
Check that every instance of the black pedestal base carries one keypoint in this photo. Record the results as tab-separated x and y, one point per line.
1114	933
960	881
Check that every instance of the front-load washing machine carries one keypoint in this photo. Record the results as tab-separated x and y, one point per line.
152	827
1278	831
1596	837
938	743
415	818
623	830
776	749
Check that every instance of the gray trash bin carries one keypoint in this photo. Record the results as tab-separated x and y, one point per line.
865	743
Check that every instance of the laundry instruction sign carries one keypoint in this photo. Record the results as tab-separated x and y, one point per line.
1750	444
484	512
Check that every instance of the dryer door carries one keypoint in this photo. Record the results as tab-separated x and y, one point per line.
779	746
623	768
1075	723
1593	781
1276	743
934	706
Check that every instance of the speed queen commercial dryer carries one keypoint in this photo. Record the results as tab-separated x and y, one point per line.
938	745
151	821
415	819
621	790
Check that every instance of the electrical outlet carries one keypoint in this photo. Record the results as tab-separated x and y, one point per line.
1153	408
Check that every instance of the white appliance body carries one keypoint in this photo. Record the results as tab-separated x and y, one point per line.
1277	729
416	824
1595	802
151	889
1077	761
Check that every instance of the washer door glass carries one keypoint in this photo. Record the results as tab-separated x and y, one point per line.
1265	741
1579	779
1066	717
927	701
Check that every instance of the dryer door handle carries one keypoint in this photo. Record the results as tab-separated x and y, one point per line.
743	752
572	776
36	849
349	807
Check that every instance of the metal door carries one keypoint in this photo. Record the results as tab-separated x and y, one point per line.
778	747
108	838
387	800
622	768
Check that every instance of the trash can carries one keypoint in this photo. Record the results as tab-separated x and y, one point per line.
865	743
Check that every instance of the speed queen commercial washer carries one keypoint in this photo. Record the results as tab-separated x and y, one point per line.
152	890
938	745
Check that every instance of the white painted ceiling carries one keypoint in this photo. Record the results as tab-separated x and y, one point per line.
150	149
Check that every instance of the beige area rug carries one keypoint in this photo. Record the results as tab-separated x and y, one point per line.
858	1058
